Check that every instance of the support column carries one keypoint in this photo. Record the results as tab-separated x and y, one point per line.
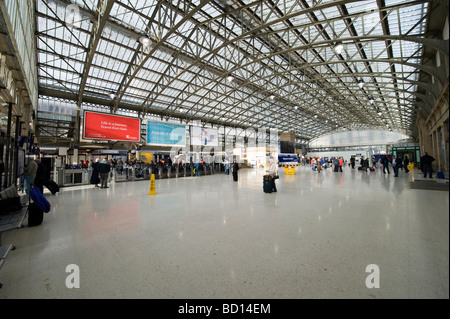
445	138
2	141
75	155
435	153
15	170
8	143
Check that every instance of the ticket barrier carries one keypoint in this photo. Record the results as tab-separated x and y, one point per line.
72	177
171	172
122	174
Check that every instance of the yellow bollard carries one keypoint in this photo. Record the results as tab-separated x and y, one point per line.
152	190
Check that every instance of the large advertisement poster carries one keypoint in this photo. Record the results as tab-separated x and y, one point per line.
204	136
102	126
159	133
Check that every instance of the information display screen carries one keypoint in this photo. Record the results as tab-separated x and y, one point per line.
159	133
204	136
102	126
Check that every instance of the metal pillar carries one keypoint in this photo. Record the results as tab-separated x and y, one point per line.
15	170
8	142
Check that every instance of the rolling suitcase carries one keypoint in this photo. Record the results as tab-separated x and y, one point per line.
267	184
35	215
51	186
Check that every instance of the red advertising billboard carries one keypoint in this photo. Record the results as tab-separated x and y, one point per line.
101	126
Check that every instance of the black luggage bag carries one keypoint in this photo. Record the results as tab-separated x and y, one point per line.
35	215
267	184
52	186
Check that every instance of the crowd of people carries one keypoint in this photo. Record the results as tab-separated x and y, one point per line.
35	172
369	164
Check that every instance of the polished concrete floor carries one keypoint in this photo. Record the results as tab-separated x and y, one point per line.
210	237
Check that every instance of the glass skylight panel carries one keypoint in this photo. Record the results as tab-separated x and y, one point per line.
171	92
86	4
132	91
210	10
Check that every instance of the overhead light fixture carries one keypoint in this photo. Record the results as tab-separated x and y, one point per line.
296	107
230	78
145	41
379	113
360	83
272	96
315	116
326	121
338	48
112	95
371	100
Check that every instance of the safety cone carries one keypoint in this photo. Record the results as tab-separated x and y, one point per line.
152	190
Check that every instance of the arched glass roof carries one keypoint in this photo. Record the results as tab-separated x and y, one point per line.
282	55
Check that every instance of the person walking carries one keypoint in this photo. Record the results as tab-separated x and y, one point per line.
319	165
227	167
235	170
103	170
29	175
95	179
363	164
426	161
385	164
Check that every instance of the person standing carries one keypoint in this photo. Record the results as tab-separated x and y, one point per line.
40	175
406	163
385	164
426	161
352	162
103	170
95	179
397	165
341	163
29	175
272	171
235	170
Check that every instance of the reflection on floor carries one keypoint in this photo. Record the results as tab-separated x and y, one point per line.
324	235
